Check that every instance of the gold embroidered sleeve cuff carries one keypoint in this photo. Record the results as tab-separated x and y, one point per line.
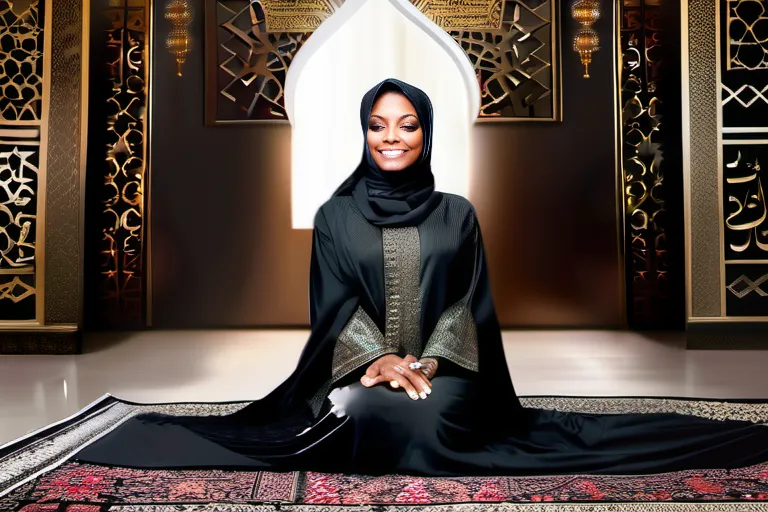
360	342
455	338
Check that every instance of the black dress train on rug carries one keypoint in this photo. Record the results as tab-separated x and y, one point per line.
398	267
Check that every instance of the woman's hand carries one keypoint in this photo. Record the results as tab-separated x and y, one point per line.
394	369
428	367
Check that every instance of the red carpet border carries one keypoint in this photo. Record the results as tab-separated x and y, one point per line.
78	487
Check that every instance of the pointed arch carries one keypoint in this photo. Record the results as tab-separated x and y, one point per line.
362	43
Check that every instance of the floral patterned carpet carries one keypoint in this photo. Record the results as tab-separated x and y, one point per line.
37	474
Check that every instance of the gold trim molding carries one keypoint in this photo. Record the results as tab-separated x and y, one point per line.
20	327
67	147
701	161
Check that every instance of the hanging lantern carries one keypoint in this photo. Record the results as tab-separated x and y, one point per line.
179	42
586	41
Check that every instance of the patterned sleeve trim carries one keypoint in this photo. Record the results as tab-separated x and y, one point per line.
455	338
359	342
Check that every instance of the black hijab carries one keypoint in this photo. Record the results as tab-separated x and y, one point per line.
394	198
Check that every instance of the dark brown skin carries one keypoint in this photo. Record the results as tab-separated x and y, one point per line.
394	370
394	125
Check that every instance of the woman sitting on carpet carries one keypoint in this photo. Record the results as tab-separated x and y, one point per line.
404	370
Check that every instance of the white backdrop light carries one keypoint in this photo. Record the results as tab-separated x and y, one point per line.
362	43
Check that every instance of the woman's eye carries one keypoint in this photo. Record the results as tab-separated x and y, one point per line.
406	127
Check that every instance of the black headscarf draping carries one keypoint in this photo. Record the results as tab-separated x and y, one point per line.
394	198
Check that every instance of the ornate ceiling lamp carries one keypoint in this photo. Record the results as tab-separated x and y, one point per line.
586	41
179	41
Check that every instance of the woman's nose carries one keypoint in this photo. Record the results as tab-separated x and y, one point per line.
391	135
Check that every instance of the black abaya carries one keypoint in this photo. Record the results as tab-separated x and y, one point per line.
472	423
400	268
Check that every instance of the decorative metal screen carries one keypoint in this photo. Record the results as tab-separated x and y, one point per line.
744	102
124	179
651	175
511	43
21	138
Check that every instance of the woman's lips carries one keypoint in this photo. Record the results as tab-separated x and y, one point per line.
392	153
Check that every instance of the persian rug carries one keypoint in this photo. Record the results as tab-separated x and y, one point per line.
37	474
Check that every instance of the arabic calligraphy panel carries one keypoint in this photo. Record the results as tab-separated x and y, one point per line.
306	15
745	212
744	103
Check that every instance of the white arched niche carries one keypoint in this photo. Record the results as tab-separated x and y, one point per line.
362	43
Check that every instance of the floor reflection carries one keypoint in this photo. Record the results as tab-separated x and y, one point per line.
177	366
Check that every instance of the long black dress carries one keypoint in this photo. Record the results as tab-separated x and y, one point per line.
422	290
398	267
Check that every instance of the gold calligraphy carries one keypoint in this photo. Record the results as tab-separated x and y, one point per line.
307	15
463	14
747	209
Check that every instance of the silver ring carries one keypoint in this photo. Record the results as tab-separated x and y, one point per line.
415	366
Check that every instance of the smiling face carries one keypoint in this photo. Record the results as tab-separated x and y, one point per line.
394	135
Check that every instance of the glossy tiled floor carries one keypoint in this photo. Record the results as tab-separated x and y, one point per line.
239	365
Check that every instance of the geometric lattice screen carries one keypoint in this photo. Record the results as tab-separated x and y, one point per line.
122	196
21	138
42	161
744	104
651	173
511	44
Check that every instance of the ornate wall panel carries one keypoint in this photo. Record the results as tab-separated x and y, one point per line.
744	78
124	178
646	85
41	144
728	239
22	116
512	44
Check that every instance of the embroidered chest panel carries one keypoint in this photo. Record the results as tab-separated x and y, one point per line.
402	257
